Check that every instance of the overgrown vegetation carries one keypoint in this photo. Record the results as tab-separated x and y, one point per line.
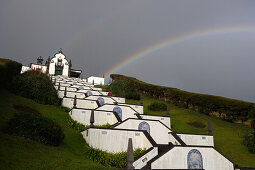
80	127
76	125
157	106
36	86
8	70
123	88
65	109
249	138
118	160
224	108
36	127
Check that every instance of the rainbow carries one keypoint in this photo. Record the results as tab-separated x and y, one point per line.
178	39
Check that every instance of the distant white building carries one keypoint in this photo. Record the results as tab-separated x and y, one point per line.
57	65
96	80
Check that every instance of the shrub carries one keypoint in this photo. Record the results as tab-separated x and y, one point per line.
111	159
36	86
80	127
124	89
36	127
249	138
249	141
76	125
65	109
157	106
8	70
133	95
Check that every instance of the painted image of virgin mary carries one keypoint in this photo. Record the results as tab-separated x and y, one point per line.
144	126
195	160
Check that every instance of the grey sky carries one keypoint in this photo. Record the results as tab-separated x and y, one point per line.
99	34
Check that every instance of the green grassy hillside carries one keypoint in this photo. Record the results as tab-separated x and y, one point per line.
20	153
227	136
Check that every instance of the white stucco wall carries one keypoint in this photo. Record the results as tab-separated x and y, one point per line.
176	158
115	140
78	95
101	118
141	162
192	139
104	93
71	94
127	112
86	104
107	100
93	92
68	89
173	140
119	99
38	66
54	61
97	80
137	108
24	69
81	103
96	88
157	130
164	120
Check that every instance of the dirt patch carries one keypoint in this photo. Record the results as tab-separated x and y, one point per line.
197	124
25	109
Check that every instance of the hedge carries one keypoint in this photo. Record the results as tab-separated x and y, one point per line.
36	127
123	88
118	160
8	70
225	108
157	106
36	86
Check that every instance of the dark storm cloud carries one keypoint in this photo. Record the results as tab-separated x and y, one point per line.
99	34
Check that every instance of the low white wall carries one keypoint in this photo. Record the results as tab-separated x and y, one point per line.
24	69
115	140
97	80
164	120
86	104
78	95
177	158
201	140
137	108
173	140
93	92
106	99
101	118
104	93
38	66
119	99
141	162
157	130
69	89
62	84
127	112
96	88
81	103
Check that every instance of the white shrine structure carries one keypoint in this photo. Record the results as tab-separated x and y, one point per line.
165	149
59	65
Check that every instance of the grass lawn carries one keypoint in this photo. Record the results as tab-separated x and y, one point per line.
227	136
20	153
